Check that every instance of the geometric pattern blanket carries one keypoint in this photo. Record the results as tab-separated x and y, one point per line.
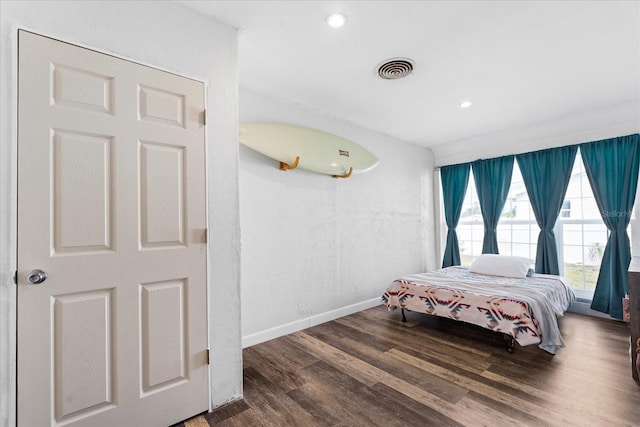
527	309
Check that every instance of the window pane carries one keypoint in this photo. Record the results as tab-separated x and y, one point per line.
565	211
504	232
525	251
520	233
572	234
592	256
505	248
572	255
590	208
534	232
574	275
464	233
471	207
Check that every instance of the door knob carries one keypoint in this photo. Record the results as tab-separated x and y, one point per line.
36	277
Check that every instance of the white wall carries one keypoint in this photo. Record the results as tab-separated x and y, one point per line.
171	37
314	247
609	122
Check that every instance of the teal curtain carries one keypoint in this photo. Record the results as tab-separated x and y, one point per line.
454	180
546	175
612	168
493	178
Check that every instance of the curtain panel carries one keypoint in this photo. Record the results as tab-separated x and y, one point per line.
493	179
455	179
546	175
612	169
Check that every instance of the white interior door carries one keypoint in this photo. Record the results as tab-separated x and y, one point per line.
111	205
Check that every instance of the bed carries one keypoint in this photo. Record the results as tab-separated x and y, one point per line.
524	309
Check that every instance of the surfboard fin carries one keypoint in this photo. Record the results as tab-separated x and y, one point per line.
346	175
286	167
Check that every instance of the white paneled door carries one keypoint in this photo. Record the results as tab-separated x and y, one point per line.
111	208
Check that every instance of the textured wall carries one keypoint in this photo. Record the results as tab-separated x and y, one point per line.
312	245
171	37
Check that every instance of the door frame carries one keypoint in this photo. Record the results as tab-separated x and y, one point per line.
9	230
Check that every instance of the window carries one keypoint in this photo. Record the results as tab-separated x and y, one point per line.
517	229
470	228
581	235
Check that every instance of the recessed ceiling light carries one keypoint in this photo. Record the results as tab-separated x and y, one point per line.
465	104
336	20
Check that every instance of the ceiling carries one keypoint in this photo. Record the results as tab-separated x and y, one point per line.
520	63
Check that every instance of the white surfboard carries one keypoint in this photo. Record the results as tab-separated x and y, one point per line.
310	149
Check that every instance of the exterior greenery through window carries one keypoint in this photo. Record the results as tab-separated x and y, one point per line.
580	233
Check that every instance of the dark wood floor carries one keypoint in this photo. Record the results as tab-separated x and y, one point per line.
370	369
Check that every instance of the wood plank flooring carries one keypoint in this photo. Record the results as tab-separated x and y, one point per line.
370	369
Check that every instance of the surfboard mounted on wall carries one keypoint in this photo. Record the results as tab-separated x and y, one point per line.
305	148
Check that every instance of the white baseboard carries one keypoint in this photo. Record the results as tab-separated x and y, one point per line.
585	308
307	322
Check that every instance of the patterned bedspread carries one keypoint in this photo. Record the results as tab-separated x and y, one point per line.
526	309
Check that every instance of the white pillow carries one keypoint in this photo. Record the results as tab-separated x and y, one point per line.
501	265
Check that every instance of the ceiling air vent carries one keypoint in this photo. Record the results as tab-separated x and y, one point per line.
395	68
